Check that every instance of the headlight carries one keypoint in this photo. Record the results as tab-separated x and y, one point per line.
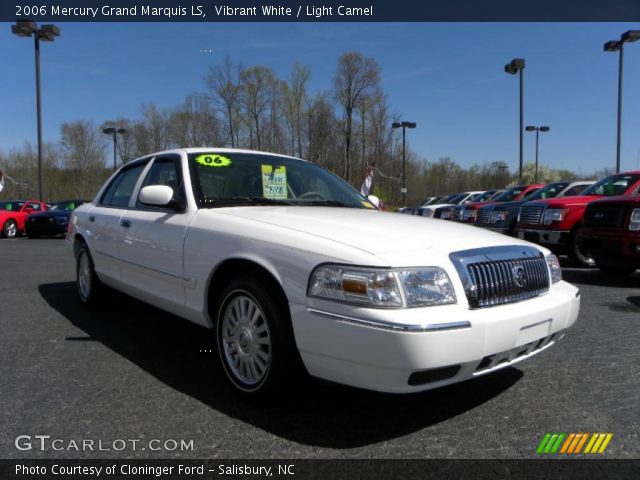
499	216
634	221
554	215
469	214
554	268
414	287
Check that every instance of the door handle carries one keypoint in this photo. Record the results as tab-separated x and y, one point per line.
92	218
125	223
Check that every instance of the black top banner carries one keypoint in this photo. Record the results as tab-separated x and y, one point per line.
321	10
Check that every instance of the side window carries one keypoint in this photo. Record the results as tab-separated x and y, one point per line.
575	190
34	206
121	188
165	171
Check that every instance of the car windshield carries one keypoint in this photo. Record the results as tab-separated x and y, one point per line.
65	206
509	194
481	197
223	179
458	198
11	206
550	191
613	185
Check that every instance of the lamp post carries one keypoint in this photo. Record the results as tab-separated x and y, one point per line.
404	126
114	131
46	33
531	128
618	46
517	66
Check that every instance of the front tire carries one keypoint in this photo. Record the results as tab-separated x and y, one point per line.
578	256
89	287
10	229
253	337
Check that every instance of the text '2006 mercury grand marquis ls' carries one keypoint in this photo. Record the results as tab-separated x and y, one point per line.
287	263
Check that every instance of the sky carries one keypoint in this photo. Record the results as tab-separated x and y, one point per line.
446	77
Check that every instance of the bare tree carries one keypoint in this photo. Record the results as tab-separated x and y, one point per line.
355	77
224	83
257	89
194	124
83	146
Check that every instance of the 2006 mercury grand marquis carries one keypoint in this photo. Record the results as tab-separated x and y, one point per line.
288	263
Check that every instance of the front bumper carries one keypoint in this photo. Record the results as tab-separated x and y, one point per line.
44	228
472	342
622	249
557	238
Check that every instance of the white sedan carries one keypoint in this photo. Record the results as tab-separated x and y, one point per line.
289	266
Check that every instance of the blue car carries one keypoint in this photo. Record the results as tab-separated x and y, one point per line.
53	222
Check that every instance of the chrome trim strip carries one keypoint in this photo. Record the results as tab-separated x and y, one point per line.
398	327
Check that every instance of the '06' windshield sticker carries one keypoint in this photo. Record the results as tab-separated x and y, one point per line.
274	181
213	160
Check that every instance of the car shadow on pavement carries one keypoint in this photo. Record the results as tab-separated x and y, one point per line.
182	355
593	276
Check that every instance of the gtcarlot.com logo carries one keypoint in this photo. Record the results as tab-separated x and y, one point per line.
573	443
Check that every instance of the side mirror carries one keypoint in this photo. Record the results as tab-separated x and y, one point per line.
156	195
375	200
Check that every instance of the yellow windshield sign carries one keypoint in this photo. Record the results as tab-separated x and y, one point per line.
274	181
213	160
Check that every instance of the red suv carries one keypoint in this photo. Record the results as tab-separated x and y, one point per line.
557	223
611	234
13	214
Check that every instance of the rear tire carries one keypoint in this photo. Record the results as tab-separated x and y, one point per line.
10	229
254	338
578	256
89	287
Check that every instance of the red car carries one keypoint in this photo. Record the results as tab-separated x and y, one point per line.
611	234
13	214
556	223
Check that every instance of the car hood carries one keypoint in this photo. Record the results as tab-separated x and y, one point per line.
479	204
372	231
563	202
506	205
51	214
627	199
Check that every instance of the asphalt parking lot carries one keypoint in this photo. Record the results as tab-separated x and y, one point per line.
131	371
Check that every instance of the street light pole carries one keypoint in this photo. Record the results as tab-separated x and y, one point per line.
531	128
26	28
517	66
404	126
114	131
613	46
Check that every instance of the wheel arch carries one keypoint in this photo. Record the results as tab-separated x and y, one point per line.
236	267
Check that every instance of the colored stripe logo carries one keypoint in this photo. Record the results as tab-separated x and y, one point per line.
573	443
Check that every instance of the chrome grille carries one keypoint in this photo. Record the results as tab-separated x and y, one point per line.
484	215
531	214
500	275
604	215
